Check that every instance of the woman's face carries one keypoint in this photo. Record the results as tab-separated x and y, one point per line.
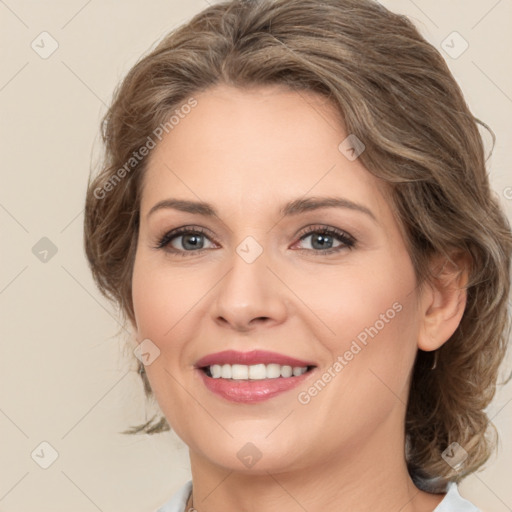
261	273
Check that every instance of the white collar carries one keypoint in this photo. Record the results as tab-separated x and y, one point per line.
452	502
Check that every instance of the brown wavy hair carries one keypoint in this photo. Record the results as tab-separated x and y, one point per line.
395	93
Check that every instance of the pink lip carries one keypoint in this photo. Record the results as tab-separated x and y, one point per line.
250	358
250	391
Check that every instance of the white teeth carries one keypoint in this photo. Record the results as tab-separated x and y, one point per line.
273	371
239	372
255	372
297	370
286	371
216	370
226	371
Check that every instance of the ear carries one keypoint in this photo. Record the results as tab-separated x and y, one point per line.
443	300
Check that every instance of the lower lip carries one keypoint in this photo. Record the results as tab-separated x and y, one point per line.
251	391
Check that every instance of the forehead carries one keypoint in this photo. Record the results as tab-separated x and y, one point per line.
256	148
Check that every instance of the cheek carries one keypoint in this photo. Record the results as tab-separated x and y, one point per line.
371	306
374	320
161	298
150	304
161	302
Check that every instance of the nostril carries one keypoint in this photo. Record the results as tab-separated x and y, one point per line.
260	319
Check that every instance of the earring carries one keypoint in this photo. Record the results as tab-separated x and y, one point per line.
141	368
434	364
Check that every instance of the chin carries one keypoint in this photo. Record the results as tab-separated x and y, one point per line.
257	454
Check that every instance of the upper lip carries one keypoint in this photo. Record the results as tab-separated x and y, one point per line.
250	358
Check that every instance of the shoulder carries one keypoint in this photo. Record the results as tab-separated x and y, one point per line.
178	501
454	502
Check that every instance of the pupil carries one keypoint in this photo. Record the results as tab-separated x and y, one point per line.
192	242
322	241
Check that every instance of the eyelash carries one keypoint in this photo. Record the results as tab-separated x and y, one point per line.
348	242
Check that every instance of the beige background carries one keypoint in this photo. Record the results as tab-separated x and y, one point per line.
64	378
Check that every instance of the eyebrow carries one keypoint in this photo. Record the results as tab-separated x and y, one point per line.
291	208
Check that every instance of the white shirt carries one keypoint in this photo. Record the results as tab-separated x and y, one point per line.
452	502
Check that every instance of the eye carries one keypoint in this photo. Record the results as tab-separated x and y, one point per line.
326	239
183	240
319	239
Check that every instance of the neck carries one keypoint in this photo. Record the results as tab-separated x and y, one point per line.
366	477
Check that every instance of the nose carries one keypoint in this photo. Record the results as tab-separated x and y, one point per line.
249	295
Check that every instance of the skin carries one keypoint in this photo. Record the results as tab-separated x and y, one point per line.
248	152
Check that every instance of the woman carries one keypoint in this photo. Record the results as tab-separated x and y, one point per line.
295	218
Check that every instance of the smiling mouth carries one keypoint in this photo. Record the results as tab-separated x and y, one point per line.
254	372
